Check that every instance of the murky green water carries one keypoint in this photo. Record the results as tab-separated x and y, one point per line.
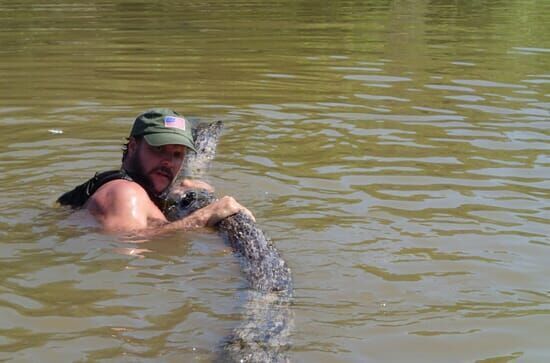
397	152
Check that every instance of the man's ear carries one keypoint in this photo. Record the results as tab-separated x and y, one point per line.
132	145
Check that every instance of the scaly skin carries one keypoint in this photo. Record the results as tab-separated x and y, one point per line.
263	335
206	138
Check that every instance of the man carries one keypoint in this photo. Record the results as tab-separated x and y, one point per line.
127	200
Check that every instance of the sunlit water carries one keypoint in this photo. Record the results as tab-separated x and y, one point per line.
397	152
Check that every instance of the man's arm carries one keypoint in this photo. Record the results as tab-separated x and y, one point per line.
124	206
187	184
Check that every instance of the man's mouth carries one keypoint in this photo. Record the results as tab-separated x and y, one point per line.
165	173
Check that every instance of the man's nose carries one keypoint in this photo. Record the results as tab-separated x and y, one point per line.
167	159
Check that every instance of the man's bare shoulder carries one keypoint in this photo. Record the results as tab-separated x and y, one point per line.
119	190
122	205
119	198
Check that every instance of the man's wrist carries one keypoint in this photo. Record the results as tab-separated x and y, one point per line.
196	219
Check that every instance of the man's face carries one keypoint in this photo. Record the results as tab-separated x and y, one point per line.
157	166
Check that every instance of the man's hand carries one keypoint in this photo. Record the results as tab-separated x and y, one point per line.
187	184
221	209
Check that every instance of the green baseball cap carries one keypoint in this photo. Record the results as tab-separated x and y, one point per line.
162	126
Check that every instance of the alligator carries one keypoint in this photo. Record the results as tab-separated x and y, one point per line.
263	334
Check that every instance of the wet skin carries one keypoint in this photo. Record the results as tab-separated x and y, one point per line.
123	206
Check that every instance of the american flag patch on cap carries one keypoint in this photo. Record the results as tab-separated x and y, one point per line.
175	122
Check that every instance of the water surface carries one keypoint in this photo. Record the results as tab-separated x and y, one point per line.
397	153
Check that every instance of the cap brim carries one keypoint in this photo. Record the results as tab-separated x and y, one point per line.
169	138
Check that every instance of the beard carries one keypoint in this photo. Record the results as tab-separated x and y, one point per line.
141	176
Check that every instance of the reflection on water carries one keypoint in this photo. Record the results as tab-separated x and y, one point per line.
397	152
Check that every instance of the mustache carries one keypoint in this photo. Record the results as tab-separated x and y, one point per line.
165	170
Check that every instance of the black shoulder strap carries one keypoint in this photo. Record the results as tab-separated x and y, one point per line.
77	197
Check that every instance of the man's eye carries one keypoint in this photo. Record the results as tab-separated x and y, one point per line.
178	155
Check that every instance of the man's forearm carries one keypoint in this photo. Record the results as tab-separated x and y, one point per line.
195	220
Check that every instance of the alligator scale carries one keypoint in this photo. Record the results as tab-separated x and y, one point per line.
263	334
